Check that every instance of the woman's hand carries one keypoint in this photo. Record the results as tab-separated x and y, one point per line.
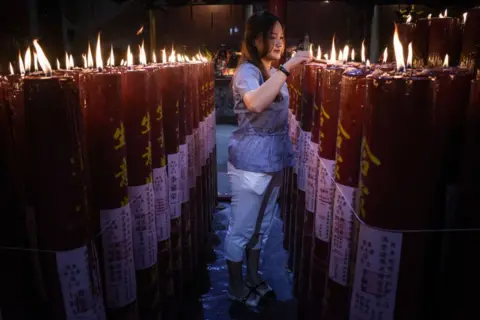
300	57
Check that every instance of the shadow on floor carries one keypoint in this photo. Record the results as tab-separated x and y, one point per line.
215	304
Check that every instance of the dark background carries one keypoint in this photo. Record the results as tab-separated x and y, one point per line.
69	24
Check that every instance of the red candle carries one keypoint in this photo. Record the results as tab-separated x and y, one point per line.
307	183
170	102
471	38
398	128
212	140
134	85
203	127
347	169
406	33
58	171
444	38
420	42
107	158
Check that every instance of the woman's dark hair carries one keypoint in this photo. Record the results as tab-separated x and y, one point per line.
259	24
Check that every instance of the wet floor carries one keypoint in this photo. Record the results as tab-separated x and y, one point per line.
214	303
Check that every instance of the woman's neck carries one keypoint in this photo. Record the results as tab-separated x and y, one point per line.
267	64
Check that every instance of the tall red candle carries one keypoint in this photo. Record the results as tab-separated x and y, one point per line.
309	163
347	169
471	38
445	37
406	33
58	172
140	187
398	127
420	42
107	158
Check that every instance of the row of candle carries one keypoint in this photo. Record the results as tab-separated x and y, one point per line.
122	153
351	200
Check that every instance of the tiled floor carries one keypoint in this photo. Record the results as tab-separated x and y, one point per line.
215	302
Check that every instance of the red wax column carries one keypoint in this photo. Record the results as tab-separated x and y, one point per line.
58	172
184	189
209	144
204	151
198	157
420	42
309	175
406	33
212	126
464	270
298	216
319	259
398	127
170	103
189	127
141	197
445	37
471	38
107	158
295	75
347	169
160	183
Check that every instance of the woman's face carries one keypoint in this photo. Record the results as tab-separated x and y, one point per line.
276	43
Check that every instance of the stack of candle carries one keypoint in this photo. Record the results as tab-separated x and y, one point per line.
125	172
363	261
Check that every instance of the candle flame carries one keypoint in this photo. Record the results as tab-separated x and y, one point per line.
446	61
326	56
42	59
171	59
164	56
353	55
385	55
340	55
179	58
11	69
139	32
112	57
58	64
310	50
429	16
98	54
28	60
409	18
89	57
67	61
293	54
72	65
398	49
367	64
154	57
35	62
465	17
129	57
319	53
409	56
363	51
141	54
122	62
20	63
346	49
85	64
444	15
333	53
194	59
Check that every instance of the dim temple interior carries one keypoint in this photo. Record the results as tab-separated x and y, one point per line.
126	114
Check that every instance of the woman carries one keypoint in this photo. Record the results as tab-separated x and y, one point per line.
259	150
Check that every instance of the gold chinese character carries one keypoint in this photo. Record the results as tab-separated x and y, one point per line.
146	123
119	136
163	161
122	174
149	179
124	202
159	112
339	141
365	167
148	155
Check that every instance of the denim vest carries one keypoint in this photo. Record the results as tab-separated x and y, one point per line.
261	142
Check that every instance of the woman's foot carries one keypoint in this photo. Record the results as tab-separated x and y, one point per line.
244	295
259	286
253	280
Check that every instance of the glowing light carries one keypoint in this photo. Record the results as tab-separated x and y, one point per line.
398	48
58	64
67	61
112	57
429	16
409	18
319	53
164	56
141	54
35	62
139	32
409	56
367	64
326	56
363	51
42	59
85	63
333	53
154	57
465	17
20	64
310	50
72	65
340	55
11	69
172	58
28	60
385	55
89	57
446	61
129	57
352	56
346	49
98	54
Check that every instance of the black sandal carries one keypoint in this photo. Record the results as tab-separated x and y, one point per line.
262	292
252	302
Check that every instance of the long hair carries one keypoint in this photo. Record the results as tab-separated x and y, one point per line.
259	24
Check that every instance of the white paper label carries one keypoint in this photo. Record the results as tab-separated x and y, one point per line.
175	211
162	212
174	177
75	277
184	189
198	160
117	243
376	274
142	206
342	233
303	167
323	210
191	161
312	163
